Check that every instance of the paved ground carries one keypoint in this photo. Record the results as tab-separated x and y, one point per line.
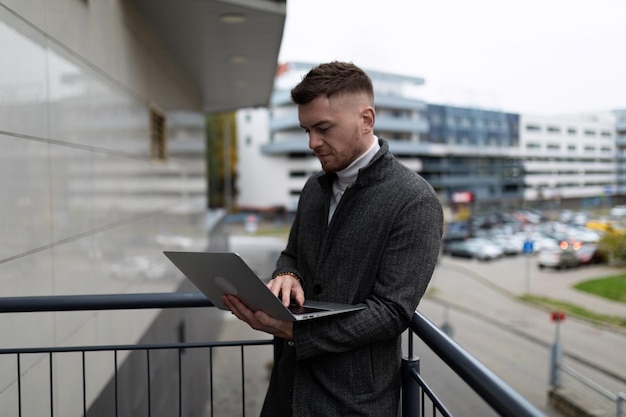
486	291
463	289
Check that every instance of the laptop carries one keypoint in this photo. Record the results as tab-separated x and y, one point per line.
217	273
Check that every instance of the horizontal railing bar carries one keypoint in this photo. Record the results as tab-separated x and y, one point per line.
157	346
588	382
49	303
502	398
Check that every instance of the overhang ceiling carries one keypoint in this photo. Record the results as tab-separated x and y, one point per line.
232	64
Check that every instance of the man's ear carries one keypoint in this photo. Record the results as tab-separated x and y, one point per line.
369	118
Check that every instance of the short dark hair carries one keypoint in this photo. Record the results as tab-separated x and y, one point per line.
333	78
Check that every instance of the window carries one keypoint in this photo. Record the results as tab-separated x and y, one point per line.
572	131
158	139
554	129
571	148
533	128
532	145
605	134
553	146
590	132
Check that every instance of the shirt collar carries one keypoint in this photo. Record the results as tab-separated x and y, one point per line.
348	175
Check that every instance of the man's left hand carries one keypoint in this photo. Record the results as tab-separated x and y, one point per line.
258	320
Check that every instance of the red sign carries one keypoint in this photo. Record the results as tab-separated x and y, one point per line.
557	316
462	197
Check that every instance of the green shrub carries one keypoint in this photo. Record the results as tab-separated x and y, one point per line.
613	247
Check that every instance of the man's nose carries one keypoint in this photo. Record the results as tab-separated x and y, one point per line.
314	140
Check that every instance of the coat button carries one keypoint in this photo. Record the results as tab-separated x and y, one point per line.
317	289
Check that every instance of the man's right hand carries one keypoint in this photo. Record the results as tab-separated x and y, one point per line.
287	288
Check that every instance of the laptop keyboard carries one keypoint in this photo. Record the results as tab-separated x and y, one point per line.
295	309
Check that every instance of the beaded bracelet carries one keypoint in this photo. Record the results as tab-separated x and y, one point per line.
287	273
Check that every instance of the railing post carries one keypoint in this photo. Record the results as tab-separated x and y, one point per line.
555	361
410	387
621	400
556	352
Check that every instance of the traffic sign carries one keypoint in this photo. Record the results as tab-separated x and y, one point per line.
557	316
528	246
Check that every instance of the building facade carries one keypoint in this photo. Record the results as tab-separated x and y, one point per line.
102	167
478	159
569	160
620	155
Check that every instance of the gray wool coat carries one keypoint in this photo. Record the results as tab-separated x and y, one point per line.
379	251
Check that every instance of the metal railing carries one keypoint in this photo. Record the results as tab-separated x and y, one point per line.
604	399
415	392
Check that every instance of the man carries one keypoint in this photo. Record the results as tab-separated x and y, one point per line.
367	231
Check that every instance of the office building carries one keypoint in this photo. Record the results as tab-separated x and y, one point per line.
478	159
569	160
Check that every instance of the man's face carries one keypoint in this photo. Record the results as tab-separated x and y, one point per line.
340	129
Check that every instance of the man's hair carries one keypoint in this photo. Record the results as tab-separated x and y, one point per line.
332	79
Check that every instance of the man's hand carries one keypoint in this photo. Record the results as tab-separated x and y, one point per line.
287	288
258	320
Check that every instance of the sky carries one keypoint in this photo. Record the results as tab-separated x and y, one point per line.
540	57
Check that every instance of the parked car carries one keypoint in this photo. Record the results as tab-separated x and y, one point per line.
474	248
509	245
589	254
557	258
618	211
458	249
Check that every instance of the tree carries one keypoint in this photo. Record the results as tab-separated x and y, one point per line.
221	157
613	246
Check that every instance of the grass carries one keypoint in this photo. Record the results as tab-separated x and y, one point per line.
612	288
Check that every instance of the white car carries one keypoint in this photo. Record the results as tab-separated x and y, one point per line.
483	249
618	211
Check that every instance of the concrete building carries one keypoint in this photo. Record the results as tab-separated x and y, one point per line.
620	144
457	150
475	162
102	168
481	159
570	159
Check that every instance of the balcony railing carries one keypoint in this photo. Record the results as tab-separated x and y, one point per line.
418	399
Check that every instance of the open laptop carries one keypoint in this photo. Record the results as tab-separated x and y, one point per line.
217	273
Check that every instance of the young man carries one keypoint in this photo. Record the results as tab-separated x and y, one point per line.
366	232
